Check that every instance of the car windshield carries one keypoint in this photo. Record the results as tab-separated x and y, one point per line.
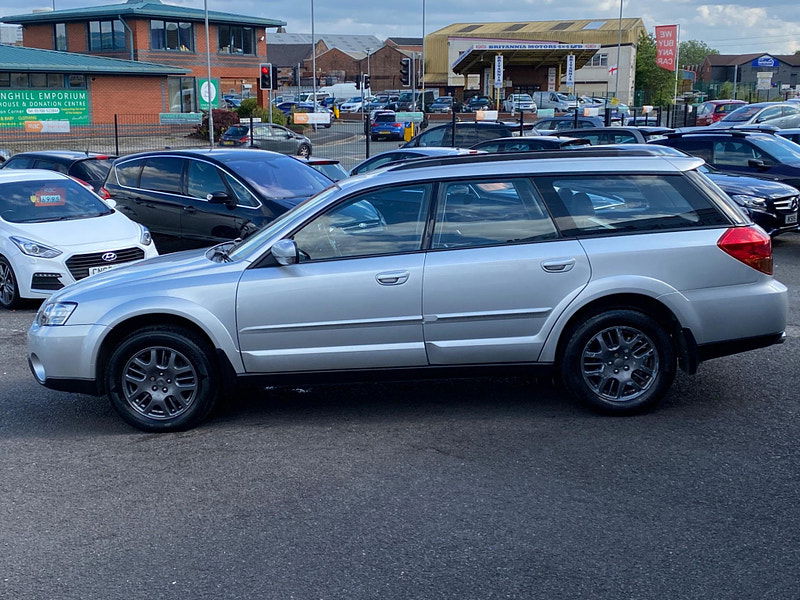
743	114
252	245
522	98
444	100
726	108
278	177
385	118
45	200
405	97
779	148
355	99
565	97
93	169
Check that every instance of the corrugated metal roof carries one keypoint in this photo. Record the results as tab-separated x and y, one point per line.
347	43
17	58
139	8
288	55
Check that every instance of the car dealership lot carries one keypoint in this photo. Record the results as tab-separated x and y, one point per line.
477	488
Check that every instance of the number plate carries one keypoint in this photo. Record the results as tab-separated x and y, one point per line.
385	132
227	143
791	219
96	270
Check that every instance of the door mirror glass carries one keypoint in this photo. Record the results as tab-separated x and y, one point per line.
285	252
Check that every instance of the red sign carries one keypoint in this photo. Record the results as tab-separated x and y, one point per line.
667	47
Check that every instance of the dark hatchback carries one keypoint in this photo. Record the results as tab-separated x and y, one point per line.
88	167
466	135
197	198
531	143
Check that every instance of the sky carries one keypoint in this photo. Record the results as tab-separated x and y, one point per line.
735	27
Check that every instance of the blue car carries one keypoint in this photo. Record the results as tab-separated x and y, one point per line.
384	125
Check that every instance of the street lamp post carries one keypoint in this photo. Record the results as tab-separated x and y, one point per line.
209	85
313	62
619	49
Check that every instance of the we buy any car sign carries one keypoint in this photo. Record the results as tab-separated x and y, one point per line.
667	47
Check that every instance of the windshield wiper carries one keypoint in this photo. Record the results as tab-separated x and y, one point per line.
222	250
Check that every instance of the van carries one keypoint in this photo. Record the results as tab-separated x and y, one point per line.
555	100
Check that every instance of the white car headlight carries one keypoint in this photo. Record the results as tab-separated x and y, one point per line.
145	239
55	313
749	201
36	249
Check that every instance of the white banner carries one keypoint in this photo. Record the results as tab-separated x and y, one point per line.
498	71
551	79
312	118
486	115
570	79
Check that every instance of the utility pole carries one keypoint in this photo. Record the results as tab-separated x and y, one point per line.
619	51
313	61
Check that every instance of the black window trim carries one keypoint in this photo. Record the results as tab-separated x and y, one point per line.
243	27
113	47
191	50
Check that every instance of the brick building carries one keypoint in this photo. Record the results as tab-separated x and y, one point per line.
744	68
154	32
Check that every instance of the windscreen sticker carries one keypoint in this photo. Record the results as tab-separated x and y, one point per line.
49	197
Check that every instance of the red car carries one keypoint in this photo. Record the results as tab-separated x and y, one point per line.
713	110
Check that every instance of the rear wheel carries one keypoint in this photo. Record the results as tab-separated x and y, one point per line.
304	150
162	379
9	290
619	362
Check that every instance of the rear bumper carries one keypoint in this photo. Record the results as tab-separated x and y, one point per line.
728	347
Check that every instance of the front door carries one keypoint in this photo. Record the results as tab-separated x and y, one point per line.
497	274
354	299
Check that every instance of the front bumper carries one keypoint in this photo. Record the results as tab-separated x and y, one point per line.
774	223
64	357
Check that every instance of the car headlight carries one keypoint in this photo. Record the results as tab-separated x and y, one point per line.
145	239
36	249
749	201
55	313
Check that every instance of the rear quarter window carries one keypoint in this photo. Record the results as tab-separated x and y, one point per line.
598	205
94	169
128	172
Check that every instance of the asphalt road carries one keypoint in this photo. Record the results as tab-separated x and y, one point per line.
461	489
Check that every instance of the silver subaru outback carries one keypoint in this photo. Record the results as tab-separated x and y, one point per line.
610	270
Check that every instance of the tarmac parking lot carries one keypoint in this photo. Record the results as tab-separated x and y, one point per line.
463	489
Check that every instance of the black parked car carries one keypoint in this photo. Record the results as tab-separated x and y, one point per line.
395	156
770	204
793	135
559	124
196	198
467	134
88	167
742	152
530	144
477	103
600	136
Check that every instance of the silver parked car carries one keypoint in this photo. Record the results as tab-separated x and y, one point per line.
611	270
782	115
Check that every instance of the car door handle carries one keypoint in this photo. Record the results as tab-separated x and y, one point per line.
189	209
392	278
559	265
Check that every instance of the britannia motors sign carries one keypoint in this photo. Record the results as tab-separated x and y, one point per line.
667	47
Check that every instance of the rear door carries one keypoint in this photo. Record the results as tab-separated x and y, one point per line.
158	200
497	273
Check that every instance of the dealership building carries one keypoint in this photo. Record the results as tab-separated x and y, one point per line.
138	57
460	57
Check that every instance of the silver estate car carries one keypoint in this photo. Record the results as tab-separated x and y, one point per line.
612	270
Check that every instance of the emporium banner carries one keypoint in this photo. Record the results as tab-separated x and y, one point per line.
19	106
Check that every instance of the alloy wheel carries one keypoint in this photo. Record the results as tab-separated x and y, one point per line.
7	284
159	383
620	364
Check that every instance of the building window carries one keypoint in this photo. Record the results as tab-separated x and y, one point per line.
37	80
106	35
234	39
60	35
171	35
598	60
181	92
19	80
49	81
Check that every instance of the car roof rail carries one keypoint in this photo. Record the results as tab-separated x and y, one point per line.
711	131
458	159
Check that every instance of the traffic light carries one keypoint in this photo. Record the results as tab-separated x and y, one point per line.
296	76
265	76
366	82
405	71
358	82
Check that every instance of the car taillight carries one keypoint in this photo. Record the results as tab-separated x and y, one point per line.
749	245
397	124
104	193
244	139
82	182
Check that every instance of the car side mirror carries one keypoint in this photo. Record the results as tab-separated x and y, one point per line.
285	252
221	198
756	163
110	202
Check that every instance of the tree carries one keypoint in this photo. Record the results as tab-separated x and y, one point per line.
656	84
694	52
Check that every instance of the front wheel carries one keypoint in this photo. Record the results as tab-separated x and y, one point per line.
304	150
162	379
9	290
619	362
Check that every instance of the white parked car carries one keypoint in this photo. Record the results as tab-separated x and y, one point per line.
54	231
519	102
352	105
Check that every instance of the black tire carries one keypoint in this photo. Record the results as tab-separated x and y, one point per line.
374	138
304	150
9	290
595	368
194	363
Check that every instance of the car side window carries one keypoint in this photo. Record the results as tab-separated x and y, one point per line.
383	221
592	205
699	148
128	172
623	138
50	165
769	114
490	212
243	195
483	134
379	161
737	153
595	139
162	174
203	179
434	137
492	147
263	131
19	162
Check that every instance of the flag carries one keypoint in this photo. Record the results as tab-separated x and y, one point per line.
612	70
667	47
